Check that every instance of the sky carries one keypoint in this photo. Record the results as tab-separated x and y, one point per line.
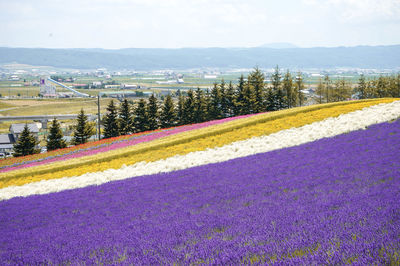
114	24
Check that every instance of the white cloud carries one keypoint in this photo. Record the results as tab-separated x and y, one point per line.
360	10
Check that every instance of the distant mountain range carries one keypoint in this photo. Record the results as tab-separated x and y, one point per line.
185	58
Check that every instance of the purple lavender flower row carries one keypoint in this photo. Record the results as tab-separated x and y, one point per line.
117	144
332	201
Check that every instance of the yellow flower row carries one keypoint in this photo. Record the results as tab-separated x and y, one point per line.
185	142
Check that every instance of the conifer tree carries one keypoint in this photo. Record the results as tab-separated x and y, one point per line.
381	86
168	116
180	110
327	87
299	88
140	119
207	100
271	100
125	118
276	80
200	108
111	127
361	87
215	108
152	111
248	104
239	97
189	108
223	103
256	83
26	143
320	91
55	138
230	99
287	86
280	100
83	129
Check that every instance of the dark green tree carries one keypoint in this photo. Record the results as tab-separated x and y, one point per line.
125	118
257	83
200	108
320	91
207	100
327	87
299	88
189	108
83	129
180	110
248	104
111	127
276	79
239	97
168	115
280	100
55	138
140	119
230	99
271	100
361	87
26	143
223	100
152	112
215	101
287	86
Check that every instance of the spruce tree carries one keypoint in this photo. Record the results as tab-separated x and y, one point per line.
26	143
271	100
327	87
83	129
125	118
280	100
200	108
152	112
230	99
111	127
320	91
361	87
189	108
239	97
168	116
276	80
299	88
288	90
224	104
256	83
141	118
249	100
215	101
180	110
207	100
55	138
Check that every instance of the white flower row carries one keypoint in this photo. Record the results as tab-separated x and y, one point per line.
286	138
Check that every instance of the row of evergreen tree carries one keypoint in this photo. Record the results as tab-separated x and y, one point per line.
28	144
251	95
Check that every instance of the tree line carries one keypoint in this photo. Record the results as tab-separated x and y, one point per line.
340	89
251	95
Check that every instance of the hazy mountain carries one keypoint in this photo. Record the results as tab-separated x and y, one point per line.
144	59
279	45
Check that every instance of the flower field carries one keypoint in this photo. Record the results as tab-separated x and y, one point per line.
310	185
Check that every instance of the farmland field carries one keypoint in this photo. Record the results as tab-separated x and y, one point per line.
312	185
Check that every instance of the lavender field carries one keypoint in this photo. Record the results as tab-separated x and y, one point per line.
332	201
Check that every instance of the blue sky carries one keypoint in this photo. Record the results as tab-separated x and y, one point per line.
197	23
